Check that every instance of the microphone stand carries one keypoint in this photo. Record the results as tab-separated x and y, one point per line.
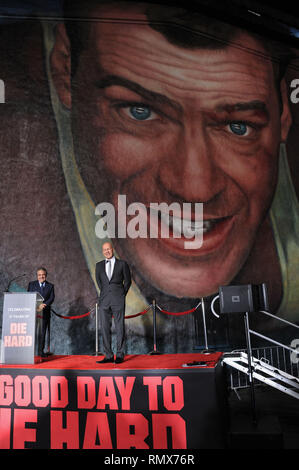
14	279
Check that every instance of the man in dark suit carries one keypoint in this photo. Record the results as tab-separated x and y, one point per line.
114	279
46	289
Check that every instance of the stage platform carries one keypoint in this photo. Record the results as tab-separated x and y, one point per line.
168	401
161	361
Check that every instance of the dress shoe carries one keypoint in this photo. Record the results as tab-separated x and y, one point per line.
119	359
105	360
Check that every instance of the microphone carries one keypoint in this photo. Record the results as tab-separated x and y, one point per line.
14	279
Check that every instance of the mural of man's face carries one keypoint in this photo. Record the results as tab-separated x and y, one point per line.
165	123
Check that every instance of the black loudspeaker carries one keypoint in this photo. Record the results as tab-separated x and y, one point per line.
244	298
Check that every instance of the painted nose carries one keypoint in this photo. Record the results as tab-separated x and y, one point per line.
190	172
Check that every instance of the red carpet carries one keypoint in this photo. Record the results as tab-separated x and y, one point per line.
131	362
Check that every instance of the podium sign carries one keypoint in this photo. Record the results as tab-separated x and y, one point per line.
19	326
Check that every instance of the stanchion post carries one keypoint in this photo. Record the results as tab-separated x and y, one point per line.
97	331
204	323
155	351
206	350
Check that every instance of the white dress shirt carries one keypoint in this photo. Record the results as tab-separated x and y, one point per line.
112	261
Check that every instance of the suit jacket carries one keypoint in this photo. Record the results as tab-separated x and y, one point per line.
120	282
48	292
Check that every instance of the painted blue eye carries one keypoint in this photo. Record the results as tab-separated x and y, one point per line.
140	112
238	128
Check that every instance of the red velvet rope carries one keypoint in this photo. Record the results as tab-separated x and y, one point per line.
140	313
88	313
71	317
186	312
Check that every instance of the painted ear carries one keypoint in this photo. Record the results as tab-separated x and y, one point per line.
60	63
286	117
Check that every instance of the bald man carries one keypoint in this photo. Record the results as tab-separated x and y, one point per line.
114	280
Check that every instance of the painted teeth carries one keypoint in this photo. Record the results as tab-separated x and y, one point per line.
187	227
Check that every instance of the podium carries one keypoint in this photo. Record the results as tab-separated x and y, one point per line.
21	328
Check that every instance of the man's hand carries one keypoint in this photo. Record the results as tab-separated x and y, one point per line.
41	307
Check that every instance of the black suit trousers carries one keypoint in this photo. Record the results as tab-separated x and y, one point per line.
106	311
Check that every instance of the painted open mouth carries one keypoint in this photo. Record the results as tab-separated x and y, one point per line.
181	232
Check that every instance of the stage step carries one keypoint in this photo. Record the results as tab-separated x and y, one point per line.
264	372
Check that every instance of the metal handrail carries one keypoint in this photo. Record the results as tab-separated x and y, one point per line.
272	340
278	318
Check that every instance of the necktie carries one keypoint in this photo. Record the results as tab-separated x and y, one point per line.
108	269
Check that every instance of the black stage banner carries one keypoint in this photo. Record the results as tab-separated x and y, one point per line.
73	409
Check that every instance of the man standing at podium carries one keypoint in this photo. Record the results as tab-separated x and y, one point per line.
46	289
